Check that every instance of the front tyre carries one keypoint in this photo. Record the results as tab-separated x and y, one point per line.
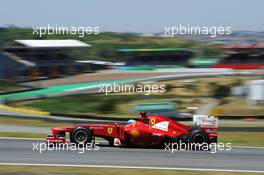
81	135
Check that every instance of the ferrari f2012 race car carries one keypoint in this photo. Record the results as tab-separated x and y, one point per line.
147	131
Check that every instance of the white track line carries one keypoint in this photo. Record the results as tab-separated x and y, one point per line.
132	167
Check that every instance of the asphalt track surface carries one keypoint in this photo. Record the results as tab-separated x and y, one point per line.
237	159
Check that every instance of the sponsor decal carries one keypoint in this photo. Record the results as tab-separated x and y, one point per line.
161	126
117	142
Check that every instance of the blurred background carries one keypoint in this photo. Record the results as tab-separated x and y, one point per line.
54	80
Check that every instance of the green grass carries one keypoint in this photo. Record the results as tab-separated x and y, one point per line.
91	104
7	86
108	171
30	122
22	135
240	106
242	138
257	123
81	103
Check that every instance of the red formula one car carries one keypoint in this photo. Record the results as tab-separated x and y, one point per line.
148	131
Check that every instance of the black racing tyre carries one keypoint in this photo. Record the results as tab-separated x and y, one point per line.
81	135
168	141
110	142
199	137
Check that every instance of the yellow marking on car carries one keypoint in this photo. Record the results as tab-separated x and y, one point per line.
153	121
110	130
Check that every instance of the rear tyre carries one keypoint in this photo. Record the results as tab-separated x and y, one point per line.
81	135
199	137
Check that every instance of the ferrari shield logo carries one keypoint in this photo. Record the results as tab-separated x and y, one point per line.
110	130
152	121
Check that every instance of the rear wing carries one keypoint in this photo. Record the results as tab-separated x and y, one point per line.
207	124
204	121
